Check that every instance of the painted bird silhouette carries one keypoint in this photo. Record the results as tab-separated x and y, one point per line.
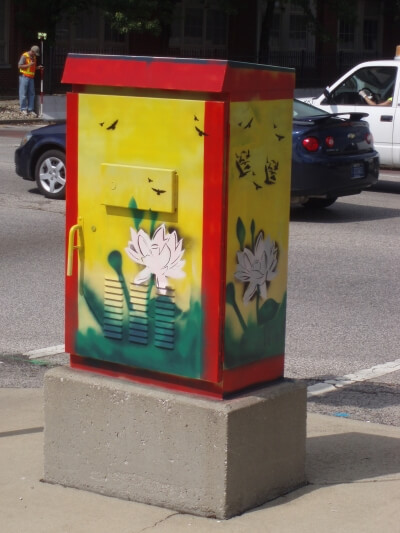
200	132
149	180
257	186
195	118
274	164
158	191
113	125
279	137
101	124
269	179
248	125
242	174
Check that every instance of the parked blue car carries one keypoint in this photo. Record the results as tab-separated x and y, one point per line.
333	155
41	157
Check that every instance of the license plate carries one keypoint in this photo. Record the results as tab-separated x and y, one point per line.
357	171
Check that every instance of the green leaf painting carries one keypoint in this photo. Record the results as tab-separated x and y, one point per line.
263	335
136	322
240	232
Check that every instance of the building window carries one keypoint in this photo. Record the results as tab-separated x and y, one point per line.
92	33
363	35
216	27
88	27
290	32
193	25
371	25
346	35
276	30
4	25
199	29
297	31
370	34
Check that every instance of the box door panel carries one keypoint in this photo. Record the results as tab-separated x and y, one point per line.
140	199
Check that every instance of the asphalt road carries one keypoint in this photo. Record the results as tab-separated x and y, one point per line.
343	300
343	292
32	260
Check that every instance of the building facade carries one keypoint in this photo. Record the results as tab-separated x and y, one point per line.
201	29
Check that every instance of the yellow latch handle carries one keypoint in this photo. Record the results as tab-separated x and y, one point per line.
77	228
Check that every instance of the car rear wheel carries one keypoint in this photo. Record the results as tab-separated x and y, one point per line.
318	203
50	174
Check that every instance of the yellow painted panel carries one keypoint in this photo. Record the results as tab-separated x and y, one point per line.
150	133
153	189
258	229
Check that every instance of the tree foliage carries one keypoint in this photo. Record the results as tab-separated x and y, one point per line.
125	16
155	16
139	16
43	15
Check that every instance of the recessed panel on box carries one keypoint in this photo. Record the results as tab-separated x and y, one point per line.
151	189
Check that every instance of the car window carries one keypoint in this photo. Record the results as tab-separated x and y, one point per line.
378	81
302	110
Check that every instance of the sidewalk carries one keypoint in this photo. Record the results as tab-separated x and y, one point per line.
353	469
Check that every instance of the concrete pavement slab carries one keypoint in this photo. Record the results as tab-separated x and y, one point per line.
31	506
332	509
353	469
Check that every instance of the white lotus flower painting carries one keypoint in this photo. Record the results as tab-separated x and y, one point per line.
160	255
255	320
257	268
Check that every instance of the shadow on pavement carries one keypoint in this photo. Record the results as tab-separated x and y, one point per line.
351	457
345	458
341	212
387	186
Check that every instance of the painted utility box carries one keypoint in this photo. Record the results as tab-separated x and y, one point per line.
177	220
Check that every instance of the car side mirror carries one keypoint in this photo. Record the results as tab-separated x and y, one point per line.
327	96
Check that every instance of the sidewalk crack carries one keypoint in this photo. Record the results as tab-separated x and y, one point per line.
159	522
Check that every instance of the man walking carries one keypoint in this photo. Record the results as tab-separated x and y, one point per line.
27	68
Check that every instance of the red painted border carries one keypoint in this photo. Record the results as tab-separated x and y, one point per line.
235	381
214	237
71	283
146	377
215	382
241	81
247	84
259	372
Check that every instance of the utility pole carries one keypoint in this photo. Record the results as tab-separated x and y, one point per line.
42	37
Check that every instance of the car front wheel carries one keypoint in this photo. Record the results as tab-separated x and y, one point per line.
50	174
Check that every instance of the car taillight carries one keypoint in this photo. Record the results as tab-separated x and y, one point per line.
369	138
329	141
311	144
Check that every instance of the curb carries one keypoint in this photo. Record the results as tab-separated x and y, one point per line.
22	122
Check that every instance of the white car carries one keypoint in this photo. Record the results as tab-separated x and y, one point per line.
372	87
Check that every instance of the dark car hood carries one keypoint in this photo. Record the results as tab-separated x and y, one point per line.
51	129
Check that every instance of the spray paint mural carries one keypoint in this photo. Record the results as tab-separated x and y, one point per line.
140	302
177	212
140	298
258	204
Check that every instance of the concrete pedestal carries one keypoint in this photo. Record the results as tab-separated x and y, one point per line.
184	452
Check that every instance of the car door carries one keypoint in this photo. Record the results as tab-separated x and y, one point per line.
381	81
396	127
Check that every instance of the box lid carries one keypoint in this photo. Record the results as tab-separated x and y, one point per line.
177	74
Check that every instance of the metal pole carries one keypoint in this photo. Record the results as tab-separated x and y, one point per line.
41	81
42	36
